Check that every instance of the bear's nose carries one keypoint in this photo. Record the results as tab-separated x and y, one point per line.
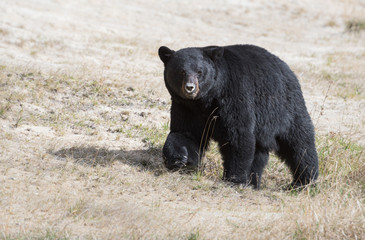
189	87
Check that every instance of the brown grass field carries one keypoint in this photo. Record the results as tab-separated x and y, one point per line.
84	114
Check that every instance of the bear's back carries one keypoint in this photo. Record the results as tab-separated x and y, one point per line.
254	57
261	72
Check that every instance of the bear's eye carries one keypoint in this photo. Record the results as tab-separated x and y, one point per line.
199	73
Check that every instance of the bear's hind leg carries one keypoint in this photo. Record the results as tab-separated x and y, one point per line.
298	151
260	160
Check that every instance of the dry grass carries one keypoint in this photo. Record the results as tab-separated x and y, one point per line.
85	180
81	136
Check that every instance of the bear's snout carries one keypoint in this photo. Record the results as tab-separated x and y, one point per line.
190	87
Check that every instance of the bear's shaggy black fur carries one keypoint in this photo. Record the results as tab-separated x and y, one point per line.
246	99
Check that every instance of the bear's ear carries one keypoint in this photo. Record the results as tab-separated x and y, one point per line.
165	54
214	52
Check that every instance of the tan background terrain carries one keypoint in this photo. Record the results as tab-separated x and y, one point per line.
84	113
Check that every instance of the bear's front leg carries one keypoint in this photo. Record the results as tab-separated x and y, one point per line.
238	157
180	151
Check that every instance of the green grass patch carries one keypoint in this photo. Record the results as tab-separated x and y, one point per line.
348	90
49	234
340	161
355	25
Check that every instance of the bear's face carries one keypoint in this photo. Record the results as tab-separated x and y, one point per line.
190	73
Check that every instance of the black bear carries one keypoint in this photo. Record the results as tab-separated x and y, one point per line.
246	99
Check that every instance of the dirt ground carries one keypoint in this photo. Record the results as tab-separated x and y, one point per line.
84	112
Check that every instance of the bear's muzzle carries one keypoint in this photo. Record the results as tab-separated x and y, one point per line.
190	88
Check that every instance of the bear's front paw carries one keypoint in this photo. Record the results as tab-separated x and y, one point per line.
176	162
179	159
180	152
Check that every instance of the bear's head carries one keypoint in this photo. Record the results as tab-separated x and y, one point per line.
190	72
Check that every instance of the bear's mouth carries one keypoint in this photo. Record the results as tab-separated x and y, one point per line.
190	95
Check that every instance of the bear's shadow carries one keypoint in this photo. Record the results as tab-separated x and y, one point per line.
149	159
